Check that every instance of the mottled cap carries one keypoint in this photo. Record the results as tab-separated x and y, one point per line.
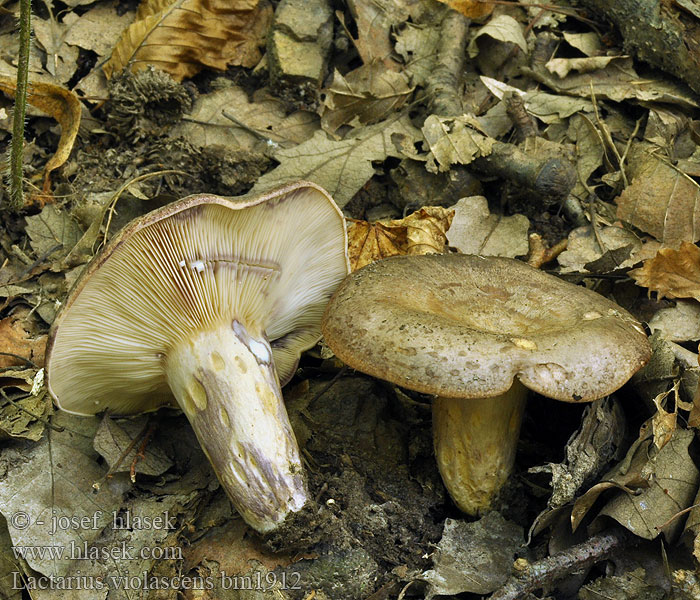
270	262
463	326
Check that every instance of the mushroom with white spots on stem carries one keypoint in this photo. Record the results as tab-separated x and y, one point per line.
477	332
210	300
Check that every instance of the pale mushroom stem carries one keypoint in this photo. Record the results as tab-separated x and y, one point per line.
475	443
225	381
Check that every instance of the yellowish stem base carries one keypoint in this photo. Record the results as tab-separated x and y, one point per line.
475	443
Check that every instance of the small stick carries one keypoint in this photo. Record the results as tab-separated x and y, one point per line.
545	572
141	453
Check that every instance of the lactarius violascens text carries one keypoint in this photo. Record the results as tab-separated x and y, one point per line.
478	332
207	303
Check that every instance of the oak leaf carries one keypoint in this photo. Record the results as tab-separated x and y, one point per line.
421	232
672	273
182	37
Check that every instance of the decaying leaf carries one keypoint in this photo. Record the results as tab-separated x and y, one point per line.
503	28
226	117
589	450
182	37
661	200
680	323
61	104
454	140
654	485
59	471
619	81
112	439
473	557
52	233
375	21
672	273
475	230
342	167
663	423
417	44
18	340
366	95
673	481
421	232
584	248
18	418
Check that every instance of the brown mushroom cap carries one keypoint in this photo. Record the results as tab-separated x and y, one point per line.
462	326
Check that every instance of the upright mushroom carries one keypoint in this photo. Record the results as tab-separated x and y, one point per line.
477	332
210	300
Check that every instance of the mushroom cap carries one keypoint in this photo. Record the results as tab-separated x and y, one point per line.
270	262
463	326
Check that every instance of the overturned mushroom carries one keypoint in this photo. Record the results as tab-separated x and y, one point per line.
210	300
477	332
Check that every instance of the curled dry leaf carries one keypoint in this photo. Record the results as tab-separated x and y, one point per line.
421	232
61	104
454	140
672	273
182	37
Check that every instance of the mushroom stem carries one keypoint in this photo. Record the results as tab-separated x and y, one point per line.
475	443
225	381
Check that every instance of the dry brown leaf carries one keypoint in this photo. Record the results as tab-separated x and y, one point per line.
472	9
18	341
376	22
661	200
663	423
369	93
672	273
183	36
60	103
421	232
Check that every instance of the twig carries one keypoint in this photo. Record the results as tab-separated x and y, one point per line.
545	572
108	475
336	377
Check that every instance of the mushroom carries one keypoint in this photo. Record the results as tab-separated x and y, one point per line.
207	304
477	332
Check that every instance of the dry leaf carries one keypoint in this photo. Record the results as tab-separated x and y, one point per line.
475	230
61	104
472	9
672	273
342	167
503	28
661	200
673	480
369	94
226	117
368	242
421	232
182	37
454	140
663	423
680	323
584	249
17	340
375	22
